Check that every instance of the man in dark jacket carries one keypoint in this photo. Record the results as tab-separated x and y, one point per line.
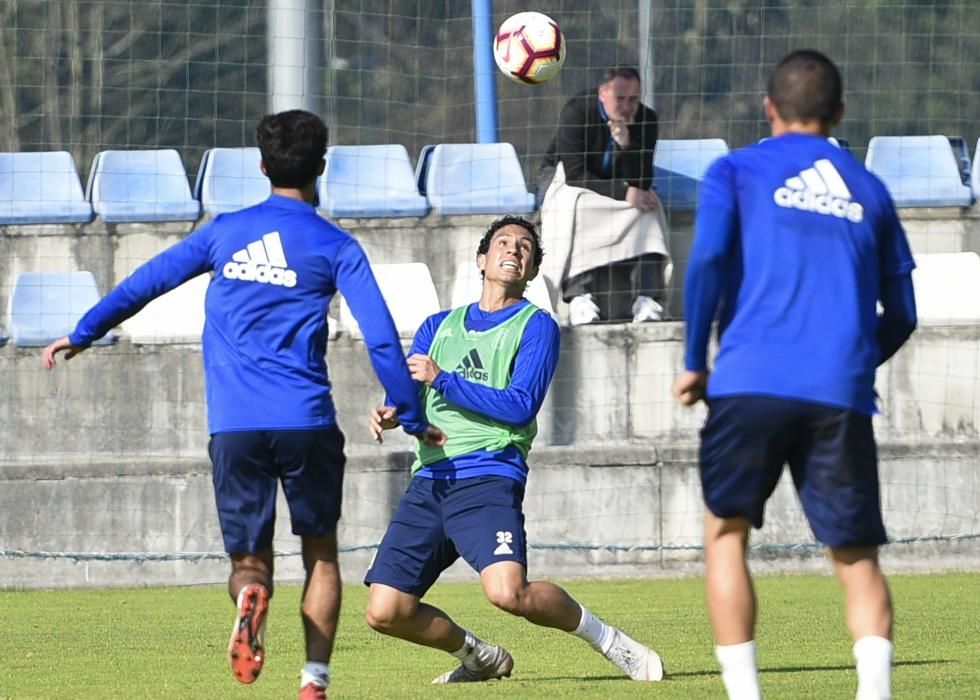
604	143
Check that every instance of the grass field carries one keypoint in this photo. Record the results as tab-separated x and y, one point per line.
170	643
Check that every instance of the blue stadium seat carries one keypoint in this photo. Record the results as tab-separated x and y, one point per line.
369	182
919	171
975	173
477	178
230	179
41	188
679	166
45	306
141	186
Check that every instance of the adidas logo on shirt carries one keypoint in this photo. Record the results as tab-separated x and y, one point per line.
819	189
471	367
261	261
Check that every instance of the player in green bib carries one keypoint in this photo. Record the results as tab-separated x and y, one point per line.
483	370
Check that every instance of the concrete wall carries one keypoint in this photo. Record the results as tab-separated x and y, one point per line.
627	511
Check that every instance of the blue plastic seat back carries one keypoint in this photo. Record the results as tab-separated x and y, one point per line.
141	186
41	188
45	306
368	182
679	167
919	171
230	179
477	178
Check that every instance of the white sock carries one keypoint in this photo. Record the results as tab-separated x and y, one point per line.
474	652
739	670
315	672
874	668
594	631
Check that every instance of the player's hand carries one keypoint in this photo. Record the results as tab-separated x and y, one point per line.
423	369
382	418
61	344
689	387
432	436
620	132
644	200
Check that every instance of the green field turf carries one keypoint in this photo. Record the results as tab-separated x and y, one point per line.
170	643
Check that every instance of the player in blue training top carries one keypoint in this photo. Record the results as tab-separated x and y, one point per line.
795	244
466	497
275	267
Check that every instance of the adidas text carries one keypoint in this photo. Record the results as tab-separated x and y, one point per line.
819	203
266	274
473	374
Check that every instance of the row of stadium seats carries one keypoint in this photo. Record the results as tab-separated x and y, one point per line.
44	306
380	180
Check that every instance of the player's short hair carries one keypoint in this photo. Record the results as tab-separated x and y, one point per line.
627	72
806	85
292	144
498	224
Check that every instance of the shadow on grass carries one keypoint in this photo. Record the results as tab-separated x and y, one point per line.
781	669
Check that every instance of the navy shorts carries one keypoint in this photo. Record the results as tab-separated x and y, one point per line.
831	453
247	469
439	520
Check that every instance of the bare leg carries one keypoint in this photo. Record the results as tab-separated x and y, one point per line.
321	596
250	568
402	615
869	618
731	598
731	604
539	602
869	605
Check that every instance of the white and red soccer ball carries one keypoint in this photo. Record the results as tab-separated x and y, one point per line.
529	48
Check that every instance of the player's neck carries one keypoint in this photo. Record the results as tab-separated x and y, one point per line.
496	297
809	128
302	194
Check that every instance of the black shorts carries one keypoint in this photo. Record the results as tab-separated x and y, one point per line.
247	467
831	453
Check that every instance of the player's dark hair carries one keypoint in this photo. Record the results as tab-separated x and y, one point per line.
806	86
292	144
498	224
627	72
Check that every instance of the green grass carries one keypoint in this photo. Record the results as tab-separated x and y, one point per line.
170	643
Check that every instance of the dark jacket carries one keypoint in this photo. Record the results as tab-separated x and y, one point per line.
580	145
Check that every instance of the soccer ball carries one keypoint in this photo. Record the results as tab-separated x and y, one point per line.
529	48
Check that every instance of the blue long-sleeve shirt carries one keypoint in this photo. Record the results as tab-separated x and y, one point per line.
795	244
517	404
276	267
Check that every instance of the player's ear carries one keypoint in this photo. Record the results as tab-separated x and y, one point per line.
770	109
262	168
322	166
838	115
481	261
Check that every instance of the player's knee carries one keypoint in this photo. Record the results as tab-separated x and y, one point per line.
381	618
508	598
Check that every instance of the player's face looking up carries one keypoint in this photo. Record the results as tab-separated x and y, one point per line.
510	255
621	98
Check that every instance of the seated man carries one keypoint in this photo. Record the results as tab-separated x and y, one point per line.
604	226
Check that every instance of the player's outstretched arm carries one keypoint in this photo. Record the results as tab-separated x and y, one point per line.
50	353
